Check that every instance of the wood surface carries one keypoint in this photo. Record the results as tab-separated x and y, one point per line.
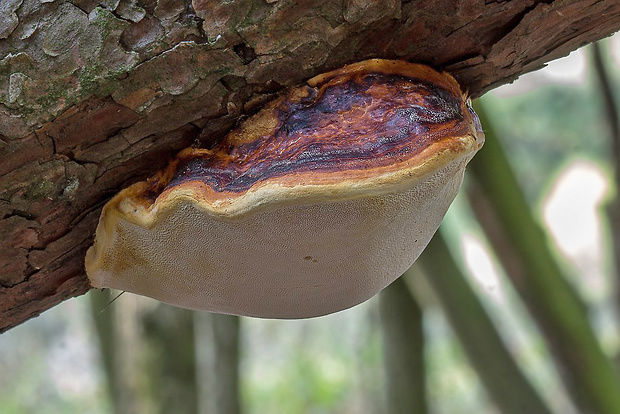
97	95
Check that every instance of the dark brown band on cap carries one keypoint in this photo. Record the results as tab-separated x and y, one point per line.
350	123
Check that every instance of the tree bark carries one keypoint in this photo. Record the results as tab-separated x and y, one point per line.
95	97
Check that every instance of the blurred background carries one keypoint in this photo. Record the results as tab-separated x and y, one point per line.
513	308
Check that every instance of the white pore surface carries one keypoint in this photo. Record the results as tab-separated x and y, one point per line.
293	262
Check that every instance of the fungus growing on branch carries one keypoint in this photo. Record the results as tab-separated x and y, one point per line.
311	206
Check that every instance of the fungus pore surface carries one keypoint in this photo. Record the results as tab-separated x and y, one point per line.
310	206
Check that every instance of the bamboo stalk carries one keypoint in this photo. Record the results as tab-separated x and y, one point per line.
403	350
610	106
523	248
217	355
506	384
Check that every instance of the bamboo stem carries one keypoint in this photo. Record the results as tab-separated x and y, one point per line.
523	248
403	350
506	384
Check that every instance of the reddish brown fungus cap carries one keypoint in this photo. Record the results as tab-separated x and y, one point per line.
365	129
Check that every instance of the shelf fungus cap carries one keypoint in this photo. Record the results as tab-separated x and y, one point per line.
311	206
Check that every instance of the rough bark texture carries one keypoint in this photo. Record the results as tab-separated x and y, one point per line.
95	95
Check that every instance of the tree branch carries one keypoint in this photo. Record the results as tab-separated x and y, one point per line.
93	99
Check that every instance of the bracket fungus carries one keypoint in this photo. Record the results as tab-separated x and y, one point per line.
311	206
